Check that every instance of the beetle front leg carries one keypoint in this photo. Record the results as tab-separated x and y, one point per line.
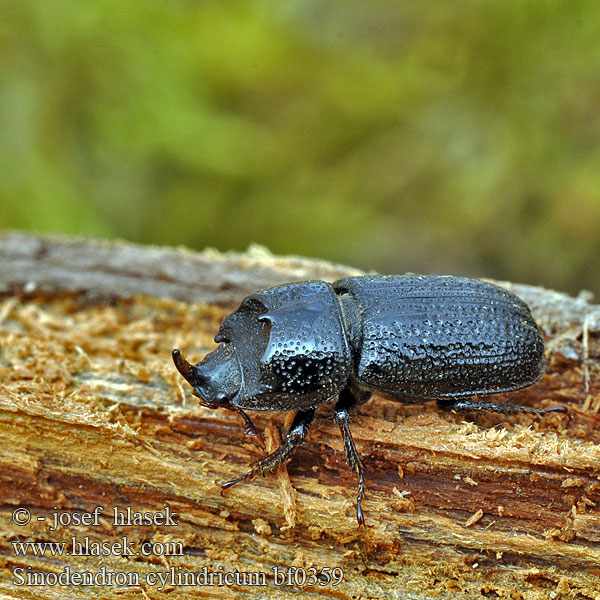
249	428
342	414
296	435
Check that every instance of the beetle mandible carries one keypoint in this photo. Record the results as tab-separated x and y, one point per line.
411	338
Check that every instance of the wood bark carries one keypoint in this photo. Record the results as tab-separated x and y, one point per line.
93	414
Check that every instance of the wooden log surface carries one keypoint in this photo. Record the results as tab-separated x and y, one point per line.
93	414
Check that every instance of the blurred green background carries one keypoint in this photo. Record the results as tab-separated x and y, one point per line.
451	137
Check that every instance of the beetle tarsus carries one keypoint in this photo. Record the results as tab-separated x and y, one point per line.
228	484
361	487
559	408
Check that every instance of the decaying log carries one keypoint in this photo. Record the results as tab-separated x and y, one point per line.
94	414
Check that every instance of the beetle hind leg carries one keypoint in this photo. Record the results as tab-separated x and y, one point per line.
463	405
342	414
296	435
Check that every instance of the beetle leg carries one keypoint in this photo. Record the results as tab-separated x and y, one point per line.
298	430
342	414
249	428
466	405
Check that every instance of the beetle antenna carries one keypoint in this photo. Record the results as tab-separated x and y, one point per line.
183	366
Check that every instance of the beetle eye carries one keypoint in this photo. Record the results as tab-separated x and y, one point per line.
254	305
221	337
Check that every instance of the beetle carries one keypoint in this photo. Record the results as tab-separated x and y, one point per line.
411	338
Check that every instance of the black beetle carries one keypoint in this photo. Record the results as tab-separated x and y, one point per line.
412	338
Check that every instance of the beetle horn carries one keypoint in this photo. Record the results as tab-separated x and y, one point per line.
183	366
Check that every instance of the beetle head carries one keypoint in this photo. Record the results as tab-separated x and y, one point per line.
216	379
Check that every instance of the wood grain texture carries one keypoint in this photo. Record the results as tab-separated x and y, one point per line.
93	413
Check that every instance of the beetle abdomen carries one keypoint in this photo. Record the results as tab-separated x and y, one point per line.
441	336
